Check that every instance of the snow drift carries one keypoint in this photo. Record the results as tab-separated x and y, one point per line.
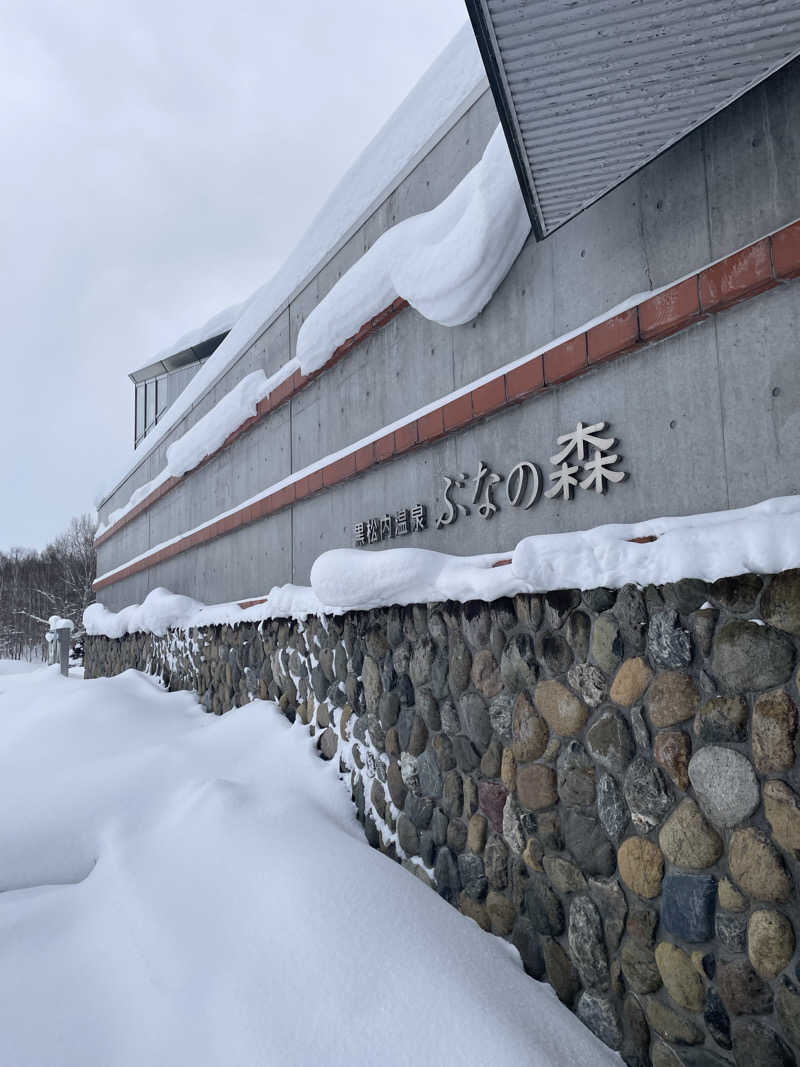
186	889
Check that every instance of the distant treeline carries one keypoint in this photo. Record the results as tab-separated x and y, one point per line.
35	585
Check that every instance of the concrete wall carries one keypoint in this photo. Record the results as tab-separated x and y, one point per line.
708	421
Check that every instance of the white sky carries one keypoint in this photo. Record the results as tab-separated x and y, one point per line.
159	161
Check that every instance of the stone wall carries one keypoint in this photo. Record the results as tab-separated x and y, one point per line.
607	779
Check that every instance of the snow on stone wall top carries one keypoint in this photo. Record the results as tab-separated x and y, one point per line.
764	538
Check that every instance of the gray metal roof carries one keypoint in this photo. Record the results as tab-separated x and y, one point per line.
591	90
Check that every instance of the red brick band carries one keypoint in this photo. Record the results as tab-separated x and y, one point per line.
740	276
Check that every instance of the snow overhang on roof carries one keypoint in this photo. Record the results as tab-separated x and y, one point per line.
589	91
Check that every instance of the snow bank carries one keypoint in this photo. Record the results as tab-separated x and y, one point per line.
452	81
181	889
161	611
447	263
763	538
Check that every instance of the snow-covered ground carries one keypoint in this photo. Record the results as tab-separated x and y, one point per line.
18	666
189	890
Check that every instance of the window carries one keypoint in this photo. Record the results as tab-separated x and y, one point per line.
139	412
150	405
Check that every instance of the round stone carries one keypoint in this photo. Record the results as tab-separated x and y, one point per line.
757	867
495	862
543	907
607	645
588	682
687	840
530	731
526	941
491	759
600	1015
774	728
587	844
563	711
742	991
672	698
492	799
729	896
731	930
475	719
518	663
678	974
407	836
725	784
502	913
501	716
611	808
553	652
485	674
782	808
475	910
737	595
564	876
512	826
748	656
722	719
508	770
536	786
770	942
609	741
647	794
639	966
476	833
586	945
668	644
560	972
631	613
672	750
576	776
780	604
641	866
631	682
672	1026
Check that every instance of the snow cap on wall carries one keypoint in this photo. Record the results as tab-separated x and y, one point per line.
764	538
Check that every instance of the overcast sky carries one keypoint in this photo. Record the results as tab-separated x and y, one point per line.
159	162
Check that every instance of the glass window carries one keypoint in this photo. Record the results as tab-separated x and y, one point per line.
139	410
150	404
161	397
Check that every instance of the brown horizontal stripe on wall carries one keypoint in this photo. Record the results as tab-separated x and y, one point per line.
744	274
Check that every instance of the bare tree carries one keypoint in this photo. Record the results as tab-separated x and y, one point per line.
35	585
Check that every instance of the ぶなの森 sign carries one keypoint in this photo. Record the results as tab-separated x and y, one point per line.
584	461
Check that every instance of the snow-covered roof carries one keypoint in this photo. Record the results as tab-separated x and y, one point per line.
191	343
449	87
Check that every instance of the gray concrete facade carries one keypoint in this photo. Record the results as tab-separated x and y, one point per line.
707	419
